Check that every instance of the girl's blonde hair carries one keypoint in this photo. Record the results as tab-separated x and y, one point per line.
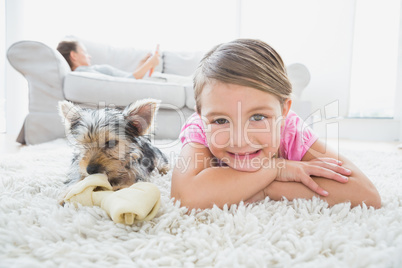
245	62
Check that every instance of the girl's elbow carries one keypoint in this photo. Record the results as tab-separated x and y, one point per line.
373	199
368	195
182	196
186	192
176	194
185	201
189	199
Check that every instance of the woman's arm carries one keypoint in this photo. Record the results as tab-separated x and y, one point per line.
357	190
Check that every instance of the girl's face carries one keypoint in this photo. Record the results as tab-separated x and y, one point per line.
242	124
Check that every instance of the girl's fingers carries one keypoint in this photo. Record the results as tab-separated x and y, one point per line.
328	174
335	168
312	185
328	160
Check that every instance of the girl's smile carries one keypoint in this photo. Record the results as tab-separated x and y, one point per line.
242	124
243	156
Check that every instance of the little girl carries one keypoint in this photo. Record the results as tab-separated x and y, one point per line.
244	142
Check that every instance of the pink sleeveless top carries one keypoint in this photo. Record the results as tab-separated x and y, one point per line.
296	137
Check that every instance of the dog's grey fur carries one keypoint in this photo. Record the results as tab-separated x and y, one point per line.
113	141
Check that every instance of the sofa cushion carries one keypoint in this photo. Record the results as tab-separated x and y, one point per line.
181	63
93	88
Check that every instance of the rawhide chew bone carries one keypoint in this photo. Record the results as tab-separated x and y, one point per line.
139	202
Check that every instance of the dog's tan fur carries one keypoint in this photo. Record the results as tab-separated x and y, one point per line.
113	142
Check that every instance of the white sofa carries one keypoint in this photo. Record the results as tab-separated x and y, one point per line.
51	80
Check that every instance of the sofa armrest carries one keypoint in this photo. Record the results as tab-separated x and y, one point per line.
299	76
45	69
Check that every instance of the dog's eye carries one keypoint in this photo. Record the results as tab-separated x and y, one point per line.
111	143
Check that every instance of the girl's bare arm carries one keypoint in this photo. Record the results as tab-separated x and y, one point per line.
197	184
357	190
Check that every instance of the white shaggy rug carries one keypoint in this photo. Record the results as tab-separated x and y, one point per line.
36	232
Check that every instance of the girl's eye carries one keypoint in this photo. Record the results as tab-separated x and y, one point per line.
257	117
111	143
220	121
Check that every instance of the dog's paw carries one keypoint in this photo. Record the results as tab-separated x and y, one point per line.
164	169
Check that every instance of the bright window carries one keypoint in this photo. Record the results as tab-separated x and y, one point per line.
375	55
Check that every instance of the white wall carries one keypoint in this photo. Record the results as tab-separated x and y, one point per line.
316	33
175	24
16	86
2	65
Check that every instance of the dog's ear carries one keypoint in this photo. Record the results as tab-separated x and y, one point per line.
141	115
69	112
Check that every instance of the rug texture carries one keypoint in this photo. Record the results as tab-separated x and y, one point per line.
36	232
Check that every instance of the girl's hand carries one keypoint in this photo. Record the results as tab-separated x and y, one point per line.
301	171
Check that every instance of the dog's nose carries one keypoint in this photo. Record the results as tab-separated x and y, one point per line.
93	168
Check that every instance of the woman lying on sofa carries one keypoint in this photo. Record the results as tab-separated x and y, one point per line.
80	61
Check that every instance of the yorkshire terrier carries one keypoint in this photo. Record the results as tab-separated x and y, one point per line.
114	142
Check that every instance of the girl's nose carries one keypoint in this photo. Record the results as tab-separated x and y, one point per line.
239	137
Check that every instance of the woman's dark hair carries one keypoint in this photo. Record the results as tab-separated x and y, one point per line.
65	47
